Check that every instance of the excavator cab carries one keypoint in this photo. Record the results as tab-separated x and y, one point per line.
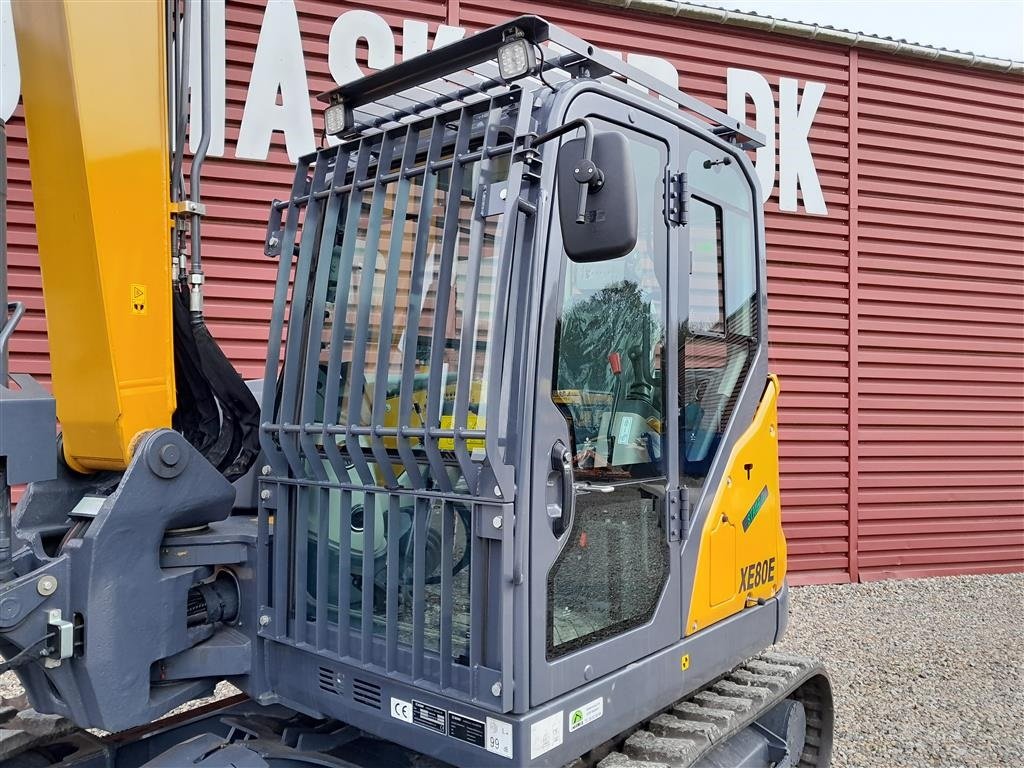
518	496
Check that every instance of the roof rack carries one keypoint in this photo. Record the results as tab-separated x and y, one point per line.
465	72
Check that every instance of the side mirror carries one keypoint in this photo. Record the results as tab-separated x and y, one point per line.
597	198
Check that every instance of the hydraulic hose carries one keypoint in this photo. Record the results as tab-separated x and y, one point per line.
6	528
195	173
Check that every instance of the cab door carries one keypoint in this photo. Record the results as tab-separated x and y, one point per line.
605	557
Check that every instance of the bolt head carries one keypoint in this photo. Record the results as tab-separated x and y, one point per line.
10	607
170	454
265	469
497	490
496	689
46	585
496	521
264	494
264	620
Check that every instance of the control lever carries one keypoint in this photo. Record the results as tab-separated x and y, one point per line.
561	461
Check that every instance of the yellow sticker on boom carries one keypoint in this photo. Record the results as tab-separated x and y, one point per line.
684	662
139	297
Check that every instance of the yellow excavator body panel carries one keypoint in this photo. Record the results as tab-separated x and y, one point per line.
99	159
742	554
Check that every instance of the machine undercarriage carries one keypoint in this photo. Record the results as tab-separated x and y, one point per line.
775	709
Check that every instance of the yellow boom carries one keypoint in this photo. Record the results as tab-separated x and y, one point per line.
99	159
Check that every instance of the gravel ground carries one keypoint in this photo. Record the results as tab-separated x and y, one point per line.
926	673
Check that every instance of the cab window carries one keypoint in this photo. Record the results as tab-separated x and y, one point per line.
720	335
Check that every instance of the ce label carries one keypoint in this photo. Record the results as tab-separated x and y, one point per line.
401	710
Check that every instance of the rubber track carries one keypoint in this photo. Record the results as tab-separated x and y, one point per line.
681	735
23	729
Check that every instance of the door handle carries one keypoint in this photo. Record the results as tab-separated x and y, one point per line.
591	488
561	461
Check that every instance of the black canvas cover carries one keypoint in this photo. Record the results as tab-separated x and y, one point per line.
215	412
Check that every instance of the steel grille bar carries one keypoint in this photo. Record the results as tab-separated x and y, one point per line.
439	473
357	372
421	520
347	265
333	391
453	204
300	558
335	200
345	576
322	571
321	222
478	566
366	587
467	343
282	550
391	611
270	405
447	546
381	382
415	310
293	361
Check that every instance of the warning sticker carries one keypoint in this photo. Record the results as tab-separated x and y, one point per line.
499	737
545	735
138	293
466	729
588	713
430	717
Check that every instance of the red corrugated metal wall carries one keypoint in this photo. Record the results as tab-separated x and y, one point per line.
897	320
939	361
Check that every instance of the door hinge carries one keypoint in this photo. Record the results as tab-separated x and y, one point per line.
676	198
677	516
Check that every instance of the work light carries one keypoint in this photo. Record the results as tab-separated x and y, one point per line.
515	59
334	119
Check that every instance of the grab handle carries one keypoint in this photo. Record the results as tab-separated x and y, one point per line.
561	461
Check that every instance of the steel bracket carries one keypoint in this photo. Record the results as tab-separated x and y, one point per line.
63	641
187	208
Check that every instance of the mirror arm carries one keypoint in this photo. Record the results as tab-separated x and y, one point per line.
588	175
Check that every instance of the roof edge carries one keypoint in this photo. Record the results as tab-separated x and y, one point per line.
817	32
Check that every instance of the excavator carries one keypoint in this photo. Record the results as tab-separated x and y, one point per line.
508	491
